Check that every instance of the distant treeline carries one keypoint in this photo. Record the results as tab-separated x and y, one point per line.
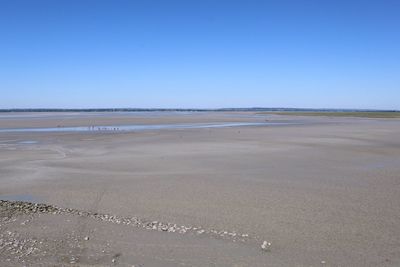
256	109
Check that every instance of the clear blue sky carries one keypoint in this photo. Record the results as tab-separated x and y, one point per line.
204	53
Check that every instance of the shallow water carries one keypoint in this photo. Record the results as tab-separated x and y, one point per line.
69	115
22	197
137	127
28	142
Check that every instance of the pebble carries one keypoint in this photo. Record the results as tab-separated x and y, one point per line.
265	246
72	260
32	208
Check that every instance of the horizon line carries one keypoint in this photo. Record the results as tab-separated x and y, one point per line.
192	109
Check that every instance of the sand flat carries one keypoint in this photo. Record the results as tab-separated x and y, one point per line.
323	192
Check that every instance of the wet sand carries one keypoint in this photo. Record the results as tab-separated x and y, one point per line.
324	192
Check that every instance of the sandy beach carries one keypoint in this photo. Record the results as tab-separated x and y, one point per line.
322	191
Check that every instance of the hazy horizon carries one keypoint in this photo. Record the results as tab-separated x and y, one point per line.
195	109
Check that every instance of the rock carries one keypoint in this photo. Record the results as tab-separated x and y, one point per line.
86	238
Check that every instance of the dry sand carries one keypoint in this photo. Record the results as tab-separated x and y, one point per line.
325	192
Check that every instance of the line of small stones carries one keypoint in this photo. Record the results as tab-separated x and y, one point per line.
29	208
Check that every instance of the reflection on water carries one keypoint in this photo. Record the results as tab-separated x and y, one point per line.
27	142
137	127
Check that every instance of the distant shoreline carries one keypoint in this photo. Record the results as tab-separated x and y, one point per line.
286	111
358	114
